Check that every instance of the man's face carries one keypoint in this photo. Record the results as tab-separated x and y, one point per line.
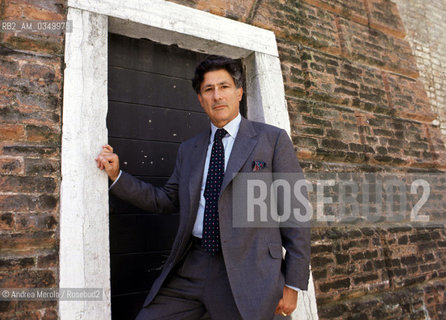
219	97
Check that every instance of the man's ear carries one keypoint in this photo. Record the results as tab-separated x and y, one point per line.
239	93
200	98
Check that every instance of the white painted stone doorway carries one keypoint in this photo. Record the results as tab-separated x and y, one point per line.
84	232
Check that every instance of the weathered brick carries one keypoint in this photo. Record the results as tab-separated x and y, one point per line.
321	248
38	72
22	315
429	267
334	144
414	280
420	237
28	242
379	264
49	260
35	42
399	229
310	131
6	221
409	98
365	255
403	240
316	121
320	261
305	141
24	7
26	184
31	150
398	272
337	284
366	278
442	244
27	279
363	243
354	234
299	22
39	222
429	257
368	231
48	102
377	48
409	260
12	132
384	16
319	274
50	314
14	114
8	66
22	203
329	312
42	134
354	10
368	266
342	258
42	167
11	165
16	263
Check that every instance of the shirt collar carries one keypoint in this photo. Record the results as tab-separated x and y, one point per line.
231	127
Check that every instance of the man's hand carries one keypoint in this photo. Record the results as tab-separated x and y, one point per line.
108	161
288	303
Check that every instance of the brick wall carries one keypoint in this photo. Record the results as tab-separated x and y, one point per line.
30	126
356	103
425	24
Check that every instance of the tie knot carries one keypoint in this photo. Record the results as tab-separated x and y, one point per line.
219	134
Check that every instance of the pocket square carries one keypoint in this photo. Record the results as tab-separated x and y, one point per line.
258	165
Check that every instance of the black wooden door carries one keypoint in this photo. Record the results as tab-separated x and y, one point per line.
152	109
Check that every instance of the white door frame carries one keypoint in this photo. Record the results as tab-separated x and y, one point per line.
84	221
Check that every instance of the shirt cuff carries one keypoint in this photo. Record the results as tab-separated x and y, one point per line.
294	288
116	180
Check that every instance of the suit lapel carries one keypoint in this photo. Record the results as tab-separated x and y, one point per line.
243	145
196	166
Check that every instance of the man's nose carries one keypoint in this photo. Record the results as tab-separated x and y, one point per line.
217	93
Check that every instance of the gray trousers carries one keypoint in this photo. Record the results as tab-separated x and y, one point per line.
198	289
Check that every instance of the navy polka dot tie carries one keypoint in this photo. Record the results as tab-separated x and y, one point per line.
211	229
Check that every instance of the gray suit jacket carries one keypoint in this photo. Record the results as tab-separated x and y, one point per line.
253	256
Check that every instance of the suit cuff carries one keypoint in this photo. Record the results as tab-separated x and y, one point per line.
294	288
116	180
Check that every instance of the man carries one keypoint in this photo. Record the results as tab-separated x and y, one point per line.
215	268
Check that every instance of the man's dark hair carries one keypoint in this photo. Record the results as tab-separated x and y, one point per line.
213	63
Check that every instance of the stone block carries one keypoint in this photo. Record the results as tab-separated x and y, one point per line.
11	132
384	16
300	23
11	165
25	184
28	279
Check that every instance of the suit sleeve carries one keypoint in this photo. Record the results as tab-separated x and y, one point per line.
295	237
148	197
